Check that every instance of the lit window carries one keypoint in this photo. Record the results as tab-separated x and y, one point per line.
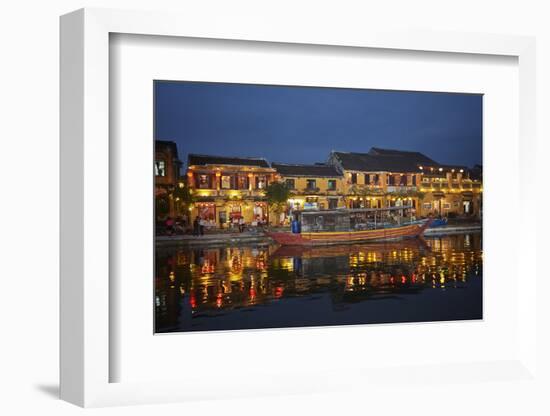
261	182
242	182
226	182
331	185
160	168
203	181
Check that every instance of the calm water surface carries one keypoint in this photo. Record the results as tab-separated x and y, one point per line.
272	286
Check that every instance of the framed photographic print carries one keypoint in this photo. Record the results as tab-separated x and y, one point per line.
272	212
300	234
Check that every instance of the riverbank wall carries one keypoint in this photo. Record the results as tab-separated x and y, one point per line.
447	230
258	238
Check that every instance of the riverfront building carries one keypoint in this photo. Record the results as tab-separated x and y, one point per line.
384	177
167	168
317	186
227	189
451	190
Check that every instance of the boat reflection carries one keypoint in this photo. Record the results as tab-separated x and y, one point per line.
197	287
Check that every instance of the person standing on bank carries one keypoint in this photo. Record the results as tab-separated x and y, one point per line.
196	226
169	224
202	223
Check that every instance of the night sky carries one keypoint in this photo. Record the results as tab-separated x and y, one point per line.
302	125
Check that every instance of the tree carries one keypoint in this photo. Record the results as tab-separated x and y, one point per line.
277	194
161	206
183	197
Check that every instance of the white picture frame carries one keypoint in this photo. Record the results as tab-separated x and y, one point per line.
85	211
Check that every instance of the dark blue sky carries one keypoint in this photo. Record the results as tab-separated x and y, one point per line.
302	125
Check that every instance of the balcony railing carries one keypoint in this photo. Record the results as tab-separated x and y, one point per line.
454	188
228	192
401	188
365	185
316	191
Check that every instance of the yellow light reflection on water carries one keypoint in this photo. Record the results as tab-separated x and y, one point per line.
230	277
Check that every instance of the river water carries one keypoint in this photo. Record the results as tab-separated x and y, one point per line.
269	286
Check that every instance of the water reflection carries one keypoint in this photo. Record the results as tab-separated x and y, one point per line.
274	286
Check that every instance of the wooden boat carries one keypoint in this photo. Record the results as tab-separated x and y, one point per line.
436	222
342	226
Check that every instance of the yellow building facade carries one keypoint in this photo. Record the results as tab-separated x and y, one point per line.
451	190
380	189
311	186
386	178
227	190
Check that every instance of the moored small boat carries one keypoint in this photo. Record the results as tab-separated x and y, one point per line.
351	226
436	222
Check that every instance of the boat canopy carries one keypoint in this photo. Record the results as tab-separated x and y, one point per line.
350	210
354	219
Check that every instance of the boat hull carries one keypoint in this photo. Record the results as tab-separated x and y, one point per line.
343	237
336	250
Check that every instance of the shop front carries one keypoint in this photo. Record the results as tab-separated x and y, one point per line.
373	203
311	202
235	212
355	203
467	203
260	213
446	205
230	213
438	203
206	211
332	203
295	204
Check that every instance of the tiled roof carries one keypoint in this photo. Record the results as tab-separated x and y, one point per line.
203	160
377	160
476	172
163	144
317	170
416	156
